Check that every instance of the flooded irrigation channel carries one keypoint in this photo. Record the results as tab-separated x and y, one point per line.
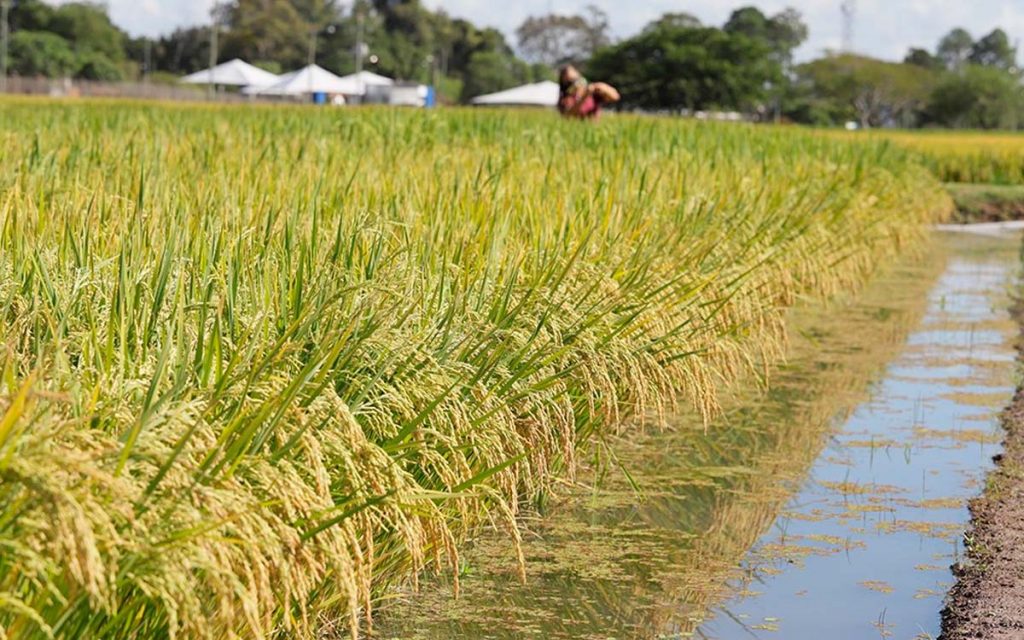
830	506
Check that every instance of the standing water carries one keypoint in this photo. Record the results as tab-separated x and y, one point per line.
830	507
864	548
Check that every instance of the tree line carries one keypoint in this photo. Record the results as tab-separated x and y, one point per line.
675	63
403	39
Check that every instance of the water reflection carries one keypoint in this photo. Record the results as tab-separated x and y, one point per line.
607	561
894	480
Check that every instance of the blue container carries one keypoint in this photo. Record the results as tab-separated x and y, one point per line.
319	98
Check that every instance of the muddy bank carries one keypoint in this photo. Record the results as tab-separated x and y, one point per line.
986	202
987	602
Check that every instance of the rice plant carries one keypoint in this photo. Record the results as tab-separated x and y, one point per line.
261	365
975	157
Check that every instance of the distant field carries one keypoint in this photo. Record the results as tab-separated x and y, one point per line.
260	365
966	157
992	158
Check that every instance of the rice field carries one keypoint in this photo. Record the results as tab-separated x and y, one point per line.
967	157
262	365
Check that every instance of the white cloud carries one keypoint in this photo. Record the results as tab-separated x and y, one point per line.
884	28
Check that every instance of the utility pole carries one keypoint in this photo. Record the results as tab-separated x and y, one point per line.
5	36
360	47
147	61
214	54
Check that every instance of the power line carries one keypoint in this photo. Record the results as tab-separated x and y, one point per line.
214	54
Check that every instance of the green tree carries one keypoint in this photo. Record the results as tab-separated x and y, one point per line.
923	58
955	48
404	37
30	15
470	40
88	28
979	97
182	51
93	65
264	29
279	30
556	39
40	53
783	33
994	50
490	71
407	45
678	20
873	92
672	67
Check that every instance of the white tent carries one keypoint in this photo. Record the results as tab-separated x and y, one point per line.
369	79
365	83
540	94
308	80
235	73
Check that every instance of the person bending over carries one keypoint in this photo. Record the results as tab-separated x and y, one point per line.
581	99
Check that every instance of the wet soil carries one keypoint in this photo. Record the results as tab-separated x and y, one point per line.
987	602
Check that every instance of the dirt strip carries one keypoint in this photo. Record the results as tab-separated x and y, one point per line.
987	601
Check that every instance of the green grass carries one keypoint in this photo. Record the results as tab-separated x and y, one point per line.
261	365
987	202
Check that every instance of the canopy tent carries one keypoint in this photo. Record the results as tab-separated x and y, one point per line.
540	94
308	80
369	79
369	86
236	73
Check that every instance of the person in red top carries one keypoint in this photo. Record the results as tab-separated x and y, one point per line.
581	99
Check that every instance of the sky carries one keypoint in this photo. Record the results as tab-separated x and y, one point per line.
883	28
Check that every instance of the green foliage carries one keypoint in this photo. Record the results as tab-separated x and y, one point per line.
958	48
490	71
182	51
74	39
674	21
672	67
978	98
88	28
40	53
987	202
966	83
96	66
782	33
872	92
955	48
449	89
924	59
407	41
30	15
268	29
995	50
